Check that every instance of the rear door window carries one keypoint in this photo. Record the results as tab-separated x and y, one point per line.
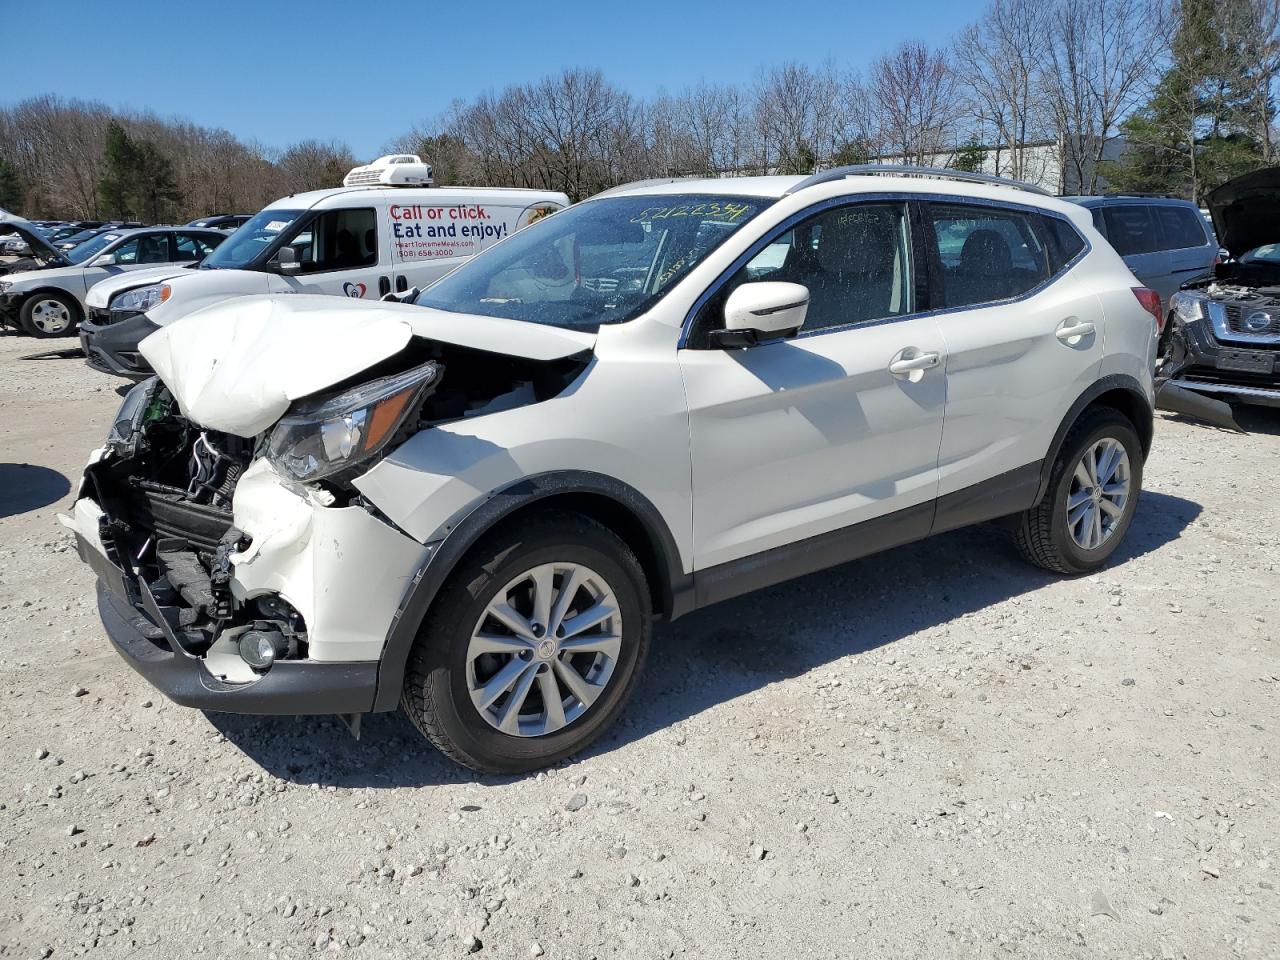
1131	228
985	254
1182	227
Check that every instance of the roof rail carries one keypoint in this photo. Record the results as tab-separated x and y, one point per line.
901	170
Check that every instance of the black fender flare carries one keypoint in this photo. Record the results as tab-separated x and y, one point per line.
674	590
1139	409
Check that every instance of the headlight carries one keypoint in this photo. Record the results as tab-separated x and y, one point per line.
5	285
143	298
1187	306
321	437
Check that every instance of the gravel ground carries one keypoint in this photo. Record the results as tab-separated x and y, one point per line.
937	752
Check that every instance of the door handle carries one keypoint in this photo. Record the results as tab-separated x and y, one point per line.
909	361
384	286
1069	330
402	283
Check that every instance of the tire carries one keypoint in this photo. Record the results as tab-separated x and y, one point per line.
443	669
41	313
1044	534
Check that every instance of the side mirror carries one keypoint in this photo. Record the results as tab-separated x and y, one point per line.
286	260
762	311
106	260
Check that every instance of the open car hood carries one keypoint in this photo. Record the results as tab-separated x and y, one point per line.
237	366
1246	210
41	247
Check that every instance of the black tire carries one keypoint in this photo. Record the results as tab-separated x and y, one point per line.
29	320
1041	533
435	694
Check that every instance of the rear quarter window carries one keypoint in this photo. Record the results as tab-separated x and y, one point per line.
1065	243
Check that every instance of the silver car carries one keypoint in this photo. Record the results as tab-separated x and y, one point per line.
49	302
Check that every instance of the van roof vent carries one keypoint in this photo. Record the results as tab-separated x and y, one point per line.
394	170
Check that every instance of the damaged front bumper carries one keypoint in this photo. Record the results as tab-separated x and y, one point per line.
110	342
1197	360
340	569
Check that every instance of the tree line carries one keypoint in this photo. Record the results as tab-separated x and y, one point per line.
1034	89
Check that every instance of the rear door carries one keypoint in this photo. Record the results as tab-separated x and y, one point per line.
1023	339
340	252
1135	233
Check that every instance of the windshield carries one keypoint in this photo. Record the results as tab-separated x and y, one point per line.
247	244
1267	253
603	261
91	247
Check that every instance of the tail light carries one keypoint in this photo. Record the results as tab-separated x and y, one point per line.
1150	301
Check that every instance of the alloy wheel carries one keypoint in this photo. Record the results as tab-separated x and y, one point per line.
1098	494
544	649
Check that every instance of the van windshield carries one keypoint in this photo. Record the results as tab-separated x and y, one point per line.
603	261
244	246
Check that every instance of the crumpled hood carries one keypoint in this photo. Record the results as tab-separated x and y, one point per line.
237	366
1246	210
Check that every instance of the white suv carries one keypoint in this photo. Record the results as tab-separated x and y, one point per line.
671	394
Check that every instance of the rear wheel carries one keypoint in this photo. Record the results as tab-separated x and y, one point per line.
532	647
49	314
1092	495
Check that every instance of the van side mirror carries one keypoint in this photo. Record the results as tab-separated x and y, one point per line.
286	260
764	310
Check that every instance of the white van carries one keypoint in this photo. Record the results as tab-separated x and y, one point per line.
381	232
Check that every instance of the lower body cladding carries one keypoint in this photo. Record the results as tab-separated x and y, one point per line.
281	605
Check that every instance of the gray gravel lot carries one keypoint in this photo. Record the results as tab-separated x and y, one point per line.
937	752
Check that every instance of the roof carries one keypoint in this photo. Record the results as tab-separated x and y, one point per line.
417	195
923	181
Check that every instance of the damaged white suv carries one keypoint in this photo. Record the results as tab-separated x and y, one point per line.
475	505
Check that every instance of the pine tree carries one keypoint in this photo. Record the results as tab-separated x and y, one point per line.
1199	127
970	157
120	170
10	186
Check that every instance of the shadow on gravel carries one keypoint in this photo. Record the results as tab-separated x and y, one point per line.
25	486
722	652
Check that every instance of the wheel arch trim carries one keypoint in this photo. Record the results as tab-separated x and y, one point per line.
1133	402
575	490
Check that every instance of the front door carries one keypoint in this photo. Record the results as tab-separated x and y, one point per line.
796	438
340	252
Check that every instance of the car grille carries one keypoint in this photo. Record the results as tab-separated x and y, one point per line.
103	318
1238	314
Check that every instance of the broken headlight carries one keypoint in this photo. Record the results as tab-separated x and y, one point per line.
323	436
1188	307
129	417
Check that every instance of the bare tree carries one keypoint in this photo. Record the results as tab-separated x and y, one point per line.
914	93
1102	56
998	61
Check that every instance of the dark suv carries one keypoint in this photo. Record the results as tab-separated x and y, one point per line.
1163	240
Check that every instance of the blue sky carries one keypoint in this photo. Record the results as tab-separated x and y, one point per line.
283	71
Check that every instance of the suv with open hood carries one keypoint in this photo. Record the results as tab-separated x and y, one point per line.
475	504
1223	335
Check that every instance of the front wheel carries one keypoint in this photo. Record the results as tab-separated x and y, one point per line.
532	647
1092	495
49	314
